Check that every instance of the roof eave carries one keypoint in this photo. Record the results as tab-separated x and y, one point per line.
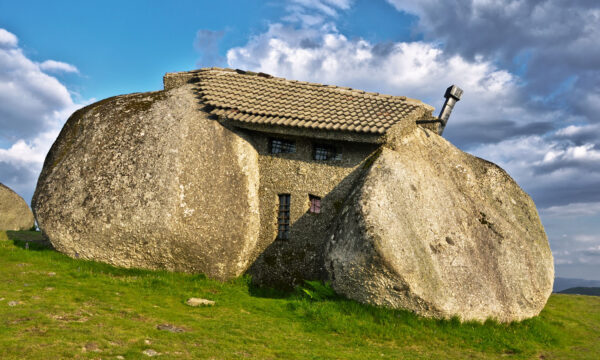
335	135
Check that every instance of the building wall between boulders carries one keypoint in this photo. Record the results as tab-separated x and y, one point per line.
284	263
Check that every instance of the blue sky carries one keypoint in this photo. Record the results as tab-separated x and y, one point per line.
530	70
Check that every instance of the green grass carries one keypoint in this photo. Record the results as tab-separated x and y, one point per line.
70	308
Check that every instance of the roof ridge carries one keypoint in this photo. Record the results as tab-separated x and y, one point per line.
336	87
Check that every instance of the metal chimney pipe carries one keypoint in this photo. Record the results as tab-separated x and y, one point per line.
452	95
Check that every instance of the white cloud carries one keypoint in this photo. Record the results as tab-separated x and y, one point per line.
309	13
553	43
572	210
33	108
554	172
58	66
582	153
29	98
7	39
587	238
581	249
415	69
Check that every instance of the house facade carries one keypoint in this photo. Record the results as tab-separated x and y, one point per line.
313	142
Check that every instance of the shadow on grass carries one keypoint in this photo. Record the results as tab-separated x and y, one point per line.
270	293
309	289
30	240
315	303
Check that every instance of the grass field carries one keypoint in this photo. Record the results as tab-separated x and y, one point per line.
54	307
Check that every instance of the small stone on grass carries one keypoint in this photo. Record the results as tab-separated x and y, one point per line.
13	303
150	352
92	346
199	302
171	328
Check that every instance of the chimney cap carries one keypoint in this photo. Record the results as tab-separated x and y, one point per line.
453	91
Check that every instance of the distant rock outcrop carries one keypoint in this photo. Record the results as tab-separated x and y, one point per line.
442	233
591	291
147	180
14	211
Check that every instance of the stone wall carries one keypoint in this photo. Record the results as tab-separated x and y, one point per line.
286	262
173	80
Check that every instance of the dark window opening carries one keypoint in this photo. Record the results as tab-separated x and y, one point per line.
283	219
315	204
279	146
327	152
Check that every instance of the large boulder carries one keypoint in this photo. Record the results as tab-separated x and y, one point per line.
14	211
148	180
440	232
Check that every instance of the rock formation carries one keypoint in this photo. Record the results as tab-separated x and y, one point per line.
14	211
147	180
192	179
442	233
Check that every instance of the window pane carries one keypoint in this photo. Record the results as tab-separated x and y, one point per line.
326	152
280	146
315	204
283	218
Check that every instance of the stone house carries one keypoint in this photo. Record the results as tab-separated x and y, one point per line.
227	172
312	141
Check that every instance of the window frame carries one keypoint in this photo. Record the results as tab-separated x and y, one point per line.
283	216
316	204
331	152
283	146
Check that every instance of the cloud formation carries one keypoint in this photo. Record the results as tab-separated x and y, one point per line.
7	39
33	108
310	13
552	44
58	66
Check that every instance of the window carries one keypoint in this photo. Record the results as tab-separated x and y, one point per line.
315	204
326	152
279	146
283	219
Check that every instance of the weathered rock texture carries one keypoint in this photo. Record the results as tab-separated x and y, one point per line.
147	180
440	232
14	211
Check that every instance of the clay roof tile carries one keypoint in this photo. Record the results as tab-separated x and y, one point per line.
278	101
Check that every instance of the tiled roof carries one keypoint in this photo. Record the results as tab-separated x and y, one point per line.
262	99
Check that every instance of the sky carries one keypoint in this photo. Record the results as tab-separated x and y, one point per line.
530	71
